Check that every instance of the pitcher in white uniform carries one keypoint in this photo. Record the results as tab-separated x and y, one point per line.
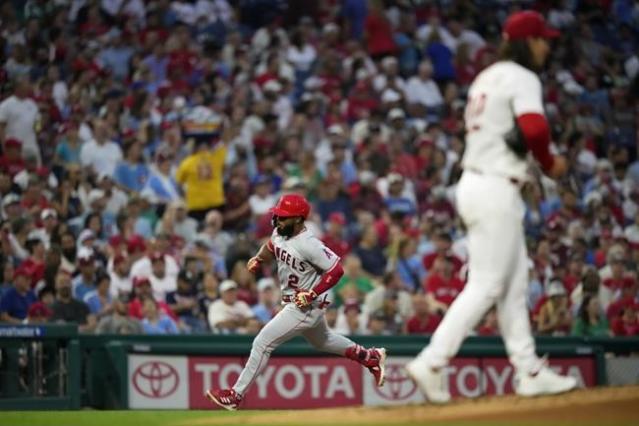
306	269
504	121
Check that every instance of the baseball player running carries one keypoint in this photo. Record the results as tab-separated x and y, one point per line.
504	119
306	269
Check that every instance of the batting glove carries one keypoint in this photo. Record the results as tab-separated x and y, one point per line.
305	298
254	264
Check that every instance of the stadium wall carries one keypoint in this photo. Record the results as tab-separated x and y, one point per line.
55	367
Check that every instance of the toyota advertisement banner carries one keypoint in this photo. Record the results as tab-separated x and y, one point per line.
467	377
179	382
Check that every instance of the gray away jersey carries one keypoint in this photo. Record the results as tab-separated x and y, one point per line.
301	260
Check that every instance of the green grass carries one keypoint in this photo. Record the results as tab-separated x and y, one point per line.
183	418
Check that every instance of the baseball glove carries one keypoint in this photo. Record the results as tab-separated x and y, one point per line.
304	298
515	141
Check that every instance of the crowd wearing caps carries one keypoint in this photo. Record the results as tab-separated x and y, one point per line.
369	135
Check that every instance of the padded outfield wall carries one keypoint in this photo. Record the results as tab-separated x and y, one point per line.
67	370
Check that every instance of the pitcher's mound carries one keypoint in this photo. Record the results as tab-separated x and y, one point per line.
596	406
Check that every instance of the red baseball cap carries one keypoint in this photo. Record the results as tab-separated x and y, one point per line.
528	23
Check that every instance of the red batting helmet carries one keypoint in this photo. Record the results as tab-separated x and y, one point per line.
291	205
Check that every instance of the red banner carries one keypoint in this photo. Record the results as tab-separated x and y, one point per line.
470	377
286	382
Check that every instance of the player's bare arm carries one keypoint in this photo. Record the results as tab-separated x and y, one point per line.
264	255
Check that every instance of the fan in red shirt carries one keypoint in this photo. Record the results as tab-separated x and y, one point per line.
143	290
628	295
33	199
627	324
443	244
334	236
423	322
442	286
11	162
272	70
34	264
379	34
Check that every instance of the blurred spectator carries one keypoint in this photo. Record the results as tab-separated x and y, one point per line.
120	275
20	116
350	320
100	301
590	321
370	253
378	31
8	271
16	301
442	286
155	322
175	221
263	198
227	314
246	283
354	281
628	292
589	285
161	188
612	277
100	154
422	94
66	309
141	290
86	281
118	322
162	281
374	300
268	300
627	323
443	247
409	264
219	239
39	313
200	174
34	264
11	162
365	195
377	324
303	105
334	237
131	172
554	315
423	322
184	304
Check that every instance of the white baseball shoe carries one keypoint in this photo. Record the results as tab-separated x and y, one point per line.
545	382
431	382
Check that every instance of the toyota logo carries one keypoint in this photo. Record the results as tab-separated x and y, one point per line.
155	379
397	386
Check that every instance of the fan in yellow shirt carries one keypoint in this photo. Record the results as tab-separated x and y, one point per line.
201	176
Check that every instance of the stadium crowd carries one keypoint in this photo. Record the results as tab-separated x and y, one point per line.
144	142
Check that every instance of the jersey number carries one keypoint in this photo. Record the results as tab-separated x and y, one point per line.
293	280
474	108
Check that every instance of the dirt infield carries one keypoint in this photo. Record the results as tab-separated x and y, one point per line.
598	406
